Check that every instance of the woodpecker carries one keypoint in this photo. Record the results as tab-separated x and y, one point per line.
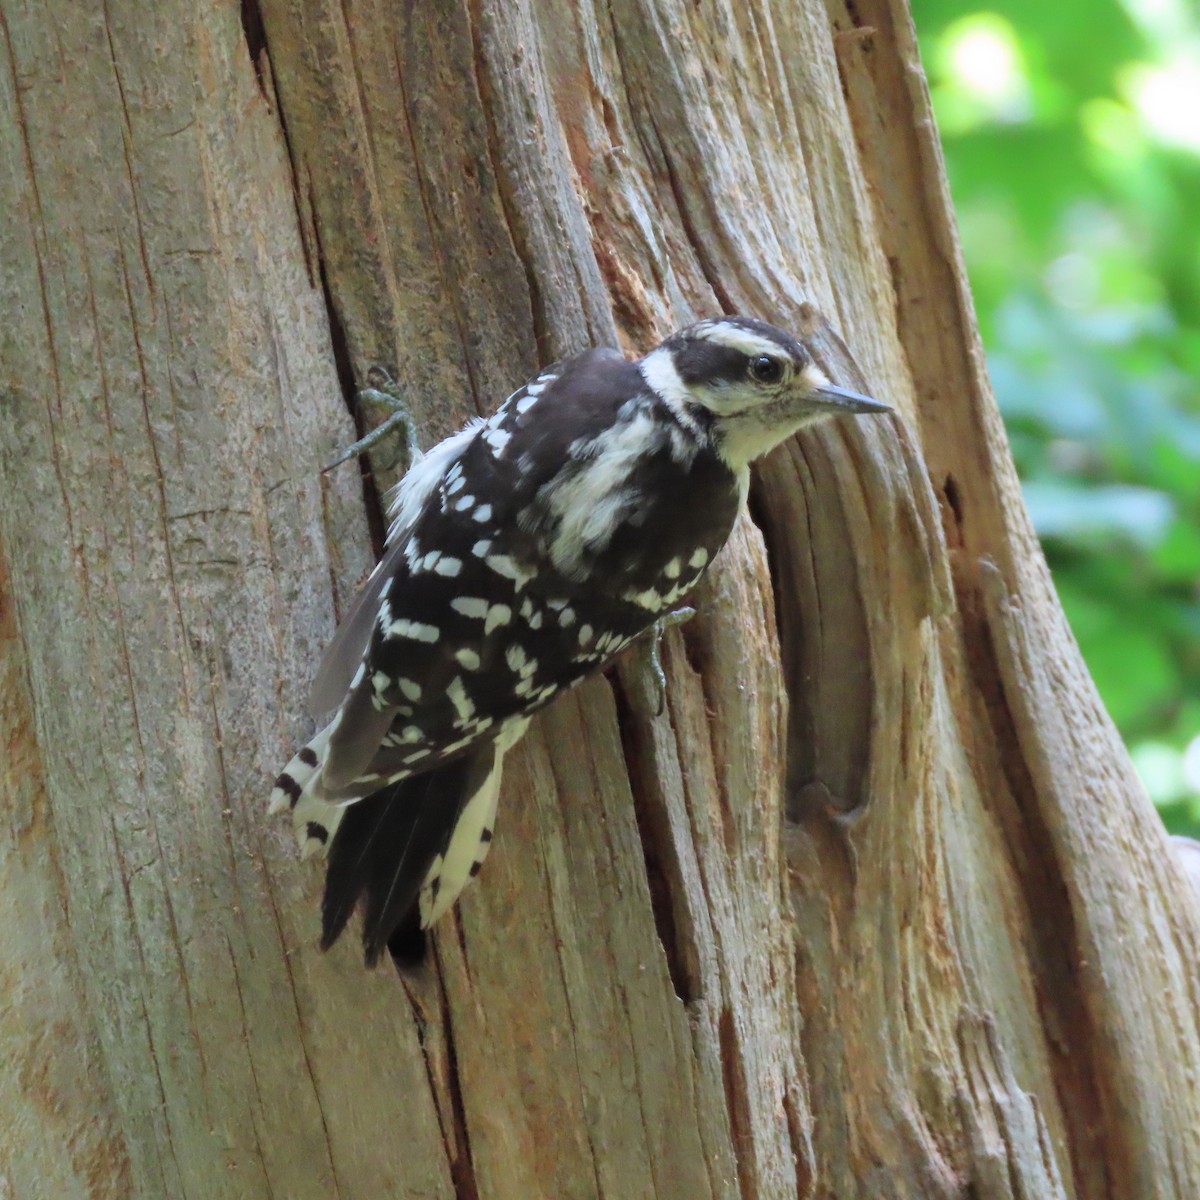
523	553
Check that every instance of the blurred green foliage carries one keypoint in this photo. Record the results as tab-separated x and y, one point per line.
1072	140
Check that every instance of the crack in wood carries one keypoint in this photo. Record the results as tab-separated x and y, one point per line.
458	1156
664	884
733	1078
340	348
1055	952
255	34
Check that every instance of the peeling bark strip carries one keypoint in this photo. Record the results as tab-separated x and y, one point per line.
968	965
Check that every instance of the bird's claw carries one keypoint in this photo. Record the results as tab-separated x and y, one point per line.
382	391
657	630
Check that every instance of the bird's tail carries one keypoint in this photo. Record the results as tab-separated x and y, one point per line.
405	852
314	819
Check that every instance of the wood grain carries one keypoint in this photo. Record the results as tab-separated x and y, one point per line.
874	907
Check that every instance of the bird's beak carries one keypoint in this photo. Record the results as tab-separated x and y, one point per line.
836	399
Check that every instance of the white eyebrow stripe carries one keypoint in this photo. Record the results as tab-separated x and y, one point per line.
735	337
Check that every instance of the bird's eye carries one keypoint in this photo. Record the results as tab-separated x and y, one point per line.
765	369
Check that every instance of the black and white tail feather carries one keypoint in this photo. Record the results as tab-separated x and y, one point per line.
408	849
522	553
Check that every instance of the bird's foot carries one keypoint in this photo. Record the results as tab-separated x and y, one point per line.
657	630
382	392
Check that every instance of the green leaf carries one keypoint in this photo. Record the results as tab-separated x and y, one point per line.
1062	510
1177	554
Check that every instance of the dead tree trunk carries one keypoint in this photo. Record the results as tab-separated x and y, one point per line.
875	908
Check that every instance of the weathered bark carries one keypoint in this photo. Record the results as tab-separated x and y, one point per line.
875	907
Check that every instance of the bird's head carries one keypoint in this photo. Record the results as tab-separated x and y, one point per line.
751	385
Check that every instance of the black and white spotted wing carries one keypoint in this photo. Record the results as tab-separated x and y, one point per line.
539	548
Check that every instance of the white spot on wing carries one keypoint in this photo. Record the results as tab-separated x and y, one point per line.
650	599
456	693
656	601
416	631
470	606
509	568
520	663
498	614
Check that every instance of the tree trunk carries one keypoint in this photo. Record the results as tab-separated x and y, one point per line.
874	908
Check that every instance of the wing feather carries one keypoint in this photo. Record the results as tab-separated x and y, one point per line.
354	741
345	651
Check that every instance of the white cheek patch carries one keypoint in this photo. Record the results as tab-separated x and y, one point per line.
662	377
659	371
